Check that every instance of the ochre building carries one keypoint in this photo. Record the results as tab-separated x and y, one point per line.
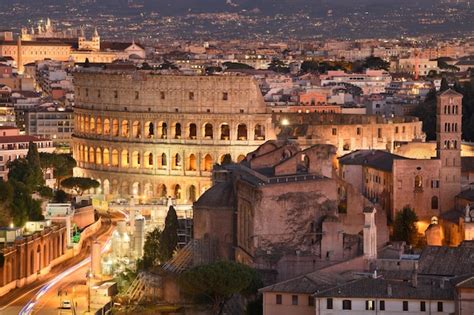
147	135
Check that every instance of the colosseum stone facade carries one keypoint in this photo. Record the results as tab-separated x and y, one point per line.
148	135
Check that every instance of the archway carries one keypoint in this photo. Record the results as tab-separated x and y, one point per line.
192	131
225	132
149	129
148	160
98	156
208	163
259	132
192	193
106	187
177	192
106	127
242	132
208	131
115	128
136	129
125	159
115	158
125	131
192	163
99	126
136	159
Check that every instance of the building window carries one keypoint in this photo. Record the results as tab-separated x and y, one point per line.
242	111
435	184
225	96
382	305
418	182
347	305
278	299
137	95
115	94
379	132
162	95
311	300
434	203
334	131
422	306
329	304
358	131
396	129
370	305
440	306
405	306
191	96
294	300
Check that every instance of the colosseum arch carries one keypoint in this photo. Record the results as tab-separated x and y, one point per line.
177	192
148	190
125	158
106	126
162	191
45	255
225	132
208	163
86	124
136	162
259	132
115	159
98	156
106	157
208	131
106	187
115	128
125	131
149	129
242	133
164	161
92	125
91	155
192	131
148	159
81	153
136	189
81	123
177	162
177	132
99	126
162	130
192	165
192	193
240	158
136	129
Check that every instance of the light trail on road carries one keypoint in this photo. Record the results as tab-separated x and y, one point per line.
28	308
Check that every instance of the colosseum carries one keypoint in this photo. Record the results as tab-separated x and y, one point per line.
151	135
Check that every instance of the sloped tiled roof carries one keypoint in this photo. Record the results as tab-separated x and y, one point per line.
447	261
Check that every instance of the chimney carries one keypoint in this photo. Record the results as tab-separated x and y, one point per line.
389	290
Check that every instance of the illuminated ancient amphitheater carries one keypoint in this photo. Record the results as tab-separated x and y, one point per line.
147	135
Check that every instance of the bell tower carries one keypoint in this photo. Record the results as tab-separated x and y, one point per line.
448	151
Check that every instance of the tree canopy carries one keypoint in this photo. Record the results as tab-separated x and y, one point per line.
404	226
236	65
217	282
62	165
151	249
278	66
80	184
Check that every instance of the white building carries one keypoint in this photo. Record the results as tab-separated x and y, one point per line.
371	82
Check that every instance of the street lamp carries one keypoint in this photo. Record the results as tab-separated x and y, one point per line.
89	276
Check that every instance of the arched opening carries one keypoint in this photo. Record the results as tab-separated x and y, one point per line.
99	126
418	182
32	262
208	163
434	203
177	162
162	130
136	129
148	190
106	187
177	192
136	159
192	131
91	155
149	129
106	157
98	156
304	163
92	125
106	127
192	193
148	159
259	132
45	256
177	131
242	132
38	257
86	124
240	158
192	163
81	123
225	132
81	153
115	128
125	158
208	131
125	131
115	158
162	191
135	188
164	161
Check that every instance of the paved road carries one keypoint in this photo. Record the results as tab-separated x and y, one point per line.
42	297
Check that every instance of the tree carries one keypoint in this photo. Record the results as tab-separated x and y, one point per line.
169	237
375	63
404	226
80	184
27	170
6	198
444	85
236	65
62	165
23	207
217	282
61	196
151	249
167	65
309	66
278	66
